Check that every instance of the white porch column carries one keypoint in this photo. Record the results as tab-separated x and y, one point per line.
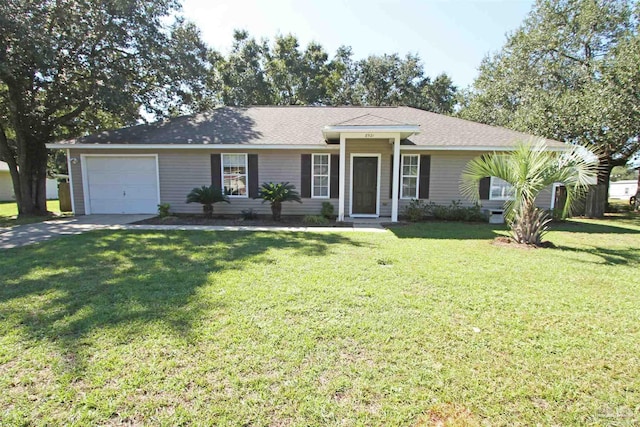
342	180
396	178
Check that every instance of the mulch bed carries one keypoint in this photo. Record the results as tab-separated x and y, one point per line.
286	221
509	242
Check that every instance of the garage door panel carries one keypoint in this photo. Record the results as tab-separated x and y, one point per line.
122	184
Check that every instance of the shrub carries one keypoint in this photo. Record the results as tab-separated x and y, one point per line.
163	210
416	210
315	220
456	212
248	214
276	194
327	210
207	196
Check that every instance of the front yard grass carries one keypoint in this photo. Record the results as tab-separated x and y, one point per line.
426	324
9	213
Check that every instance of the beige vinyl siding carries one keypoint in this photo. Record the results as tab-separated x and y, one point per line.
444	182
182	170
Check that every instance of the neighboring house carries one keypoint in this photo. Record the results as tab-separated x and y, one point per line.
623	189
6	186
366	161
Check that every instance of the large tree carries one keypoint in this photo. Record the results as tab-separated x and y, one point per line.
243	75
72	66
571	73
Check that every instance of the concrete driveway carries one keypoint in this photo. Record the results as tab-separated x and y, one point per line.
32	233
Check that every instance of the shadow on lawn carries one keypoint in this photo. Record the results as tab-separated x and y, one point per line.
76	286
618	256
448	230
610	227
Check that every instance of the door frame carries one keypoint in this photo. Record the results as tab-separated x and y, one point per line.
377	214
85	181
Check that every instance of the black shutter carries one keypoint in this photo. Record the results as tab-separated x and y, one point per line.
485	186
252	159
425	171
334	179
305	175
216	171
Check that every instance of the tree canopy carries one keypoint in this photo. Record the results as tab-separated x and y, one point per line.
284	73
71	67
570	72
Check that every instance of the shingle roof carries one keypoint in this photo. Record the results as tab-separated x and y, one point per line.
294	125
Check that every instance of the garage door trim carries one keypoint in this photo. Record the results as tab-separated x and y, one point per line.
85	181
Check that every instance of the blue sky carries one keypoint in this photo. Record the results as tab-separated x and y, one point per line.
450	36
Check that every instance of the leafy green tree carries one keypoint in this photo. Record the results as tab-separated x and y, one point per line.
244	80
531	168
71	67
207	196
570	73
297	77
276	194
621	173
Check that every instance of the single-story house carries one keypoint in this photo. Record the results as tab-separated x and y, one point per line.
6	186
623	190
366	161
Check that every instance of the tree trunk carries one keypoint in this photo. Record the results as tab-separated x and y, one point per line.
276	210
32	170
596	201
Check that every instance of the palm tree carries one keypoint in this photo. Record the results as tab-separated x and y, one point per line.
531	168
276	194
207	196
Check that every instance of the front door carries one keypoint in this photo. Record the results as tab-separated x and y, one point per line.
365	185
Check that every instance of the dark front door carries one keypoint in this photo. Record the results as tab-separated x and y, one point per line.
365	185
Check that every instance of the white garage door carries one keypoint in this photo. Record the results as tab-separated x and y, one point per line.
121	185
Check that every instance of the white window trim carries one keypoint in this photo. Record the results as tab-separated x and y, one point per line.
502	199
313	163
246	166
402	176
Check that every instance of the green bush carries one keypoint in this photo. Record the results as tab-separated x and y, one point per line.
457	212
327	210
163	210
207	196
416	210
248	214
315	220
276	194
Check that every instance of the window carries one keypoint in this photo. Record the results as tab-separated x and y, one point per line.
409	178
234	174
500	189
320	176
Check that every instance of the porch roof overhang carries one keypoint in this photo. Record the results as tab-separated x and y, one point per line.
372	131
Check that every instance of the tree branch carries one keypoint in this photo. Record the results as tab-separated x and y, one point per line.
70	115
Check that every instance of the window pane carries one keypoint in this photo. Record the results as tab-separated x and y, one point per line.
500	189
321	169
409	186
321	191
319	181
233	160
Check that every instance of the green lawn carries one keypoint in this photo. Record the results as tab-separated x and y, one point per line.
9	213
423	325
